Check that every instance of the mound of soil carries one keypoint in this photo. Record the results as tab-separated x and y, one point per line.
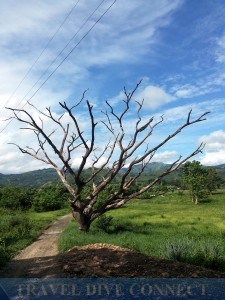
103	260
41	260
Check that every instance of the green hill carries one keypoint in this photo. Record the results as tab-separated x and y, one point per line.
32	179
45	176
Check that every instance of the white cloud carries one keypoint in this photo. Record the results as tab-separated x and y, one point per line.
201	87
213	158
154	97
77	161
220	51
215	107
117	99
214	148
166	157
215	141
123	36
186	91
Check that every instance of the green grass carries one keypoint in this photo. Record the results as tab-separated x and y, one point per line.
18	229
148	226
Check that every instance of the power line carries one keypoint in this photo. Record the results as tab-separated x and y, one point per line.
64	59
54	60
39	56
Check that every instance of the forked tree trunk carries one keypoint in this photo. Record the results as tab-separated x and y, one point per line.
73	141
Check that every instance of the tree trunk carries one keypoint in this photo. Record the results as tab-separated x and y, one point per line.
83	221
196	199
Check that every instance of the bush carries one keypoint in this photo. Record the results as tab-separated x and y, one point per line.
177	250
14	198
104	223
14	226
205	253
50	198
210	255
4	257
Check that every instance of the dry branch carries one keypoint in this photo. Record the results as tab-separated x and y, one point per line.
73	139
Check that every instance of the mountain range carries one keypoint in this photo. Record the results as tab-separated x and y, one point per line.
40	177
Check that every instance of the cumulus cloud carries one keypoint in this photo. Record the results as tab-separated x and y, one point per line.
122	37
213	158
214	141
166	157
77	161
214	149
155	97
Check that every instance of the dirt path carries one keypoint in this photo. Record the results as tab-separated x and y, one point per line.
39	259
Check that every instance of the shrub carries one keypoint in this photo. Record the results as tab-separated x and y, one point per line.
4	257
210	254
14	226
104	223
180	193
14	198
177	250
206	253
50	198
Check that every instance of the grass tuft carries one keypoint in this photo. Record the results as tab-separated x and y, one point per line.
20	229
145	225
206	253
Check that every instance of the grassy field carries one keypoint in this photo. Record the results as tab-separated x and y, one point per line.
18	229
170	227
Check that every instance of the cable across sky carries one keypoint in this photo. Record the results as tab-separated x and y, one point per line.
66	57
41	53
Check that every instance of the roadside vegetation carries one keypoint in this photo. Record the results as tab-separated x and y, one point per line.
168	226
20	229
25	213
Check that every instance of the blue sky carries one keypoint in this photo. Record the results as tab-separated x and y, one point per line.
177	47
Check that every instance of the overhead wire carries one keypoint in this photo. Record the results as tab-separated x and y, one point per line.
64	59
71	51
59	54
41	53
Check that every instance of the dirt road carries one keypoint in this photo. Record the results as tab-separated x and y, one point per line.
39	259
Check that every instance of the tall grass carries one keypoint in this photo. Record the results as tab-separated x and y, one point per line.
19	228
206	253
148	226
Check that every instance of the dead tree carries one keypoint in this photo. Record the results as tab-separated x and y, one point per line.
85	211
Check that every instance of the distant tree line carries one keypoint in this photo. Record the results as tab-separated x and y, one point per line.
199	180
47	198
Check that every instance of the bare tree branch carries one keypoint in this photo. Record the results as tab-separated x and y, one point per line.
117	152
